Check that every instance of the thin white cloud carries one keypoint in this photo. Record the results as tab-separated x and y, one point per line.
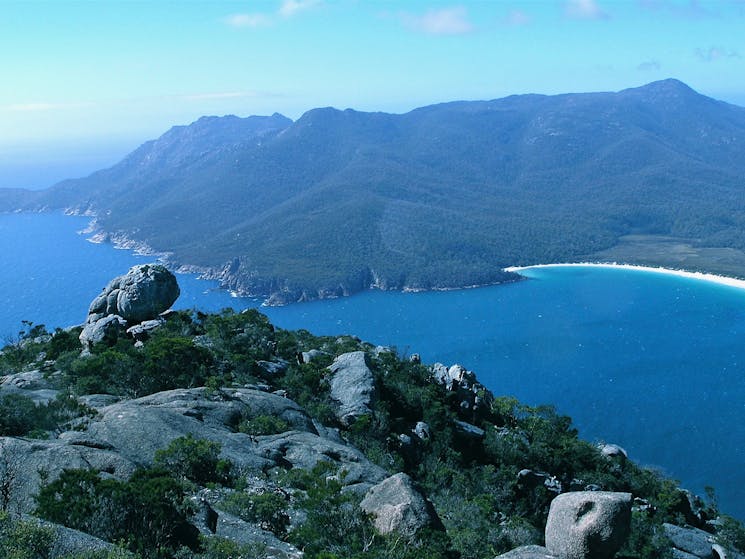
445	21
289	8
584	9
286	9
714	54
649	66
247	20
517	18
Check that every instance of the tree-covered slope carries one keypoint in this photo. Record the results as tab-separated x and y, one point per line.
442	196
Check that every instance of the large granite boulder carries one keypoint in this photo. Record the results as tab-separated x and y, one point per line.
107	329
141	294
397	506
352	386
588	524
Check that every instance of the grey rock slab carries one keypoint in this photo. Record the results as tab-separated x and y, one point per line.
238	530
613	451
527	552
138	428
27	461
30	380
588	524
678	554
304	450
352	386
98	400
107	329
308	356
691	540
273	367
396	505
469	430
143	330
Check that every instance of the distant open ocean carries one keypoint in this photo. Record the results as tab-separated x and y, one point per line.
651	362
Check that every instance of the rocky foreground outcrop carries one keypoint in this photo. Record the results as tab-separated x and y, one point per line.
126	435
351	386
137	297
389	450
582	525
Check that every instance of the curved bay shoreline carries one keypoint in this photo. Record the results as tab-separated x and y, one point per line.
701	276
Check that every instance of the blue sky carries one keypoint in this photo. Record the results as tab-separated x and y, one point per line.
85	82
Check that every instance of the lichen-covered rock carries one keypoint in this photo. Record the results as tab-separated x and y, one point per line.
297	449
143	330
588	524
690	540
141	294
527	552
352	386
397	506
138	428
106	330
29	463
613	451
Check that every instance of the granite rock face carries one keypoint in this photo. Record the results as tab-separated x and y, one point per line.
106	329
528	552
352	386
130	303
588	524
397	506
139	295
690	540
125	435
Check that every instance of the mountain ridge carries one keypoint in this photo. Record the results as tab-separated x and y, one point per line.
442	196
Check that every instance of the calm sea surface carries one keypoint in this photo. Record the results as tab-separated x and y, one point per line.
651	362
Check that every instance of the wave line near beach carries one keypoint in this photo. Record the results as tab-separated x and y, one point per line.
703	276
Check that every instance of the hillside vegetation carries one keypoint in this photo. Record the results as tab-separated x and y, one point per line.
442	196
247	425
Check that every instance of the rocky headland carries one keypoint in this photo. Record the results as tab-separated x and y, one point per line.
158	434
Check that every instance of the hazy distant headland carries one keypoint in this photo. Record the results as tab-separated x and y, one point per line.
444	196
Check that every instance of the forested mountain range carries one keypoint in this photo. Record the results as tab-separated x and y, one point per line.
442	196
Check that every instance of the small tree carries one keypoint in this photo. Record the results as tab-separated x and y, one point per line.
197	460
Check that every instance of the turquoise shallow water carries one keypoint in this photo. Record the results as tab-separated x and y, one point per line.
654	363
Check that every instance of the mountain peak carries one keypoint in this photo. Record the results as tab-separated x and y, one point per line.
669	88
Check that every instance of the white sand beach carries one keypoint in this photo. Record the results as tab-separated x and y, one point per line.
714	278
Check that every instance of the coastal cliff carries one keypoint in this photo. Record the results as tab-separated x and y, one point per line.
183	434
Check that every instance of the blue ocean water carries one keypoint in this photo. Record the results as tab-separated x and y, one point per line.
651	362
50	273
654	363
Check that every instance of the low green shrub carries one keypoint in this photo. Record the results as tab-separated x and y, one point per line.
263	425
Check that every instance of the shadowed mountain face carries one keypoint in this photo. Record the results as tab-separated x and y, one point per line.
442	196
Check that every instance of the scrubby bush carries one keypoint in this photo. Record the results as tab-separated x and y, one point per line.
263	425
196	460
21	539
268	509
147	512
20	416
